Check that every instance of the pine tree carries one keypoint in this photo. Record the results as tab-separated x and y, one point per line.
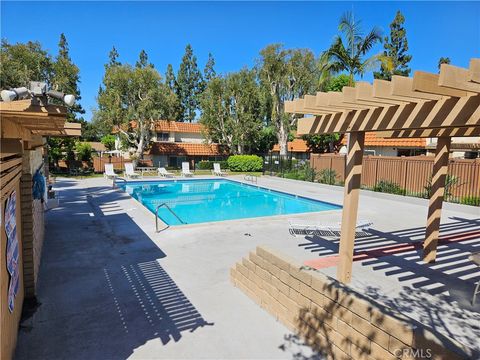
209	71
188	86
112	57
66	77
170	77
396	48
142	61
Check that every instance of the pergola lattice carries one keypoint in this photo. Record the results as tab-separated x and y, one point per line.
441	105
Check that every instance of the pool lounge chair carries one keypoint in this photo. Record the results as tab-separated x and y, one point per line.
109	173
300	228
162	172
186	169
218	171
129	173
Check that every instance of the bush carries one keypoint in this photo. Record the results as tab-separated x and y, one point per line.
451	182
245	163
303	172
108	141
327	176
84	151
470	200
208	165
389	187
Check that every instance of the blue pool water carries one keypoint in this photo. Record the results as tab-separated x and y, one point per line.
198	201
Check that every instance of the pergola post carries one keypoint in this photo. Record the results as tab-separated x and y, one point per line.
353	173
439	176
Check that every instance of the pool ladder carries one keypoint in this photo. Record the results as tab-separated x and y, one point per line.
250	177
169	209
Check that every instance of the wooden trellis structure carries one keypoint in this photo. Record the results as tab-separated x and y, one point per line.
22	128
441	105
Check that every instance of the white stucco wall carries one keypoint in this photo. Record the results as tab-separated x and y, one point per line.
189	138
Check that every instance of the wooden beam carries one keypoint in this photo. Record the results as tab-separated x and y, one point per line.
403	86
474	70
457	78
353	173
428	83
440	169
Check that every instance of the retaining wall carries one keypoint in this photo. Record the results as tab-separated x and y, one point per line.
331	317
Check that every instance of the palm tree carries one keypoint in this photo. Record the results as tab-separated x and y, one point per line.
347	52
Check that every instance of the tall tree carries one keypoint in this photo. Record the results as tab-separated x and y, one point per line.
232	111
22	63
209	71
395	52
143	60
66	76
170	77
349	49
443	60
286	74
131	100
189	80
113	58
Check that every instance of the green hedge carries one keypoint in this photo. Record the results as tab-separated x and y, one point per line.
208	165
245	163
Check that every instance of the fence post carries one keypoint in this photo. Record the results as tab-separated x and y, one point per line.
405	178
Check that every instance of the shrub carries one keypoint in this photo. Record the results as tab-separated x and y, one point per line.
84	151
327	176
245	163
208	165
470	200
108	141
451	182
303	172
389	187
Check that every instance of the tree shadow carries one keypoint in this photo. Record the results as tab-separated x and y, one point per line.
102	289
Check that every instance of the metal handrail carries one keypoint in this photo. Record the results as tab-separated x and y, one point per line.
250	177
118	178
169	209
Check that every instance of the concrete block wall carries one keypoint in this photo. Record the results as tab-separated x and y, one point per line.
331	317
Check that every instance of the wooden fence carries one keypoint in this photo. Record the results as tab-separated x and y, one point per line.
99	163
412	174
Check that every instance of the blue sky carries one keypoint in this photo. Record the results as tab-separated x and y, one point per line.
234	32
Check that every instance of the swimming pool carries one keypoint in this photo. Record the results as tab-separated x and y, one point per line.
198	201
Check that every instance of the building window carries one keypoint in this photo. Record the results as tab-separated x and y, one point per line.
369	152
162	136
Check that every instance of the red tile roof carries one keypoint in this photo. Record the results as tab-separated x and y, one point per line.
297	145
186	149
371	140
177	126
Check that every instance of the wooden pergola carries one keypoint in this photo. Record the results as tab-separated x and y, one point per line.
429	105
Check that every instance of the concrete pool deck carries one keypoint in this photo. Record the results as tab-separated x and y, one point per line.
110	287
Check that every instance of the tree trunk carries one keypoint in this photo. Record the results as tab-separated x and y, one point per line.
283	139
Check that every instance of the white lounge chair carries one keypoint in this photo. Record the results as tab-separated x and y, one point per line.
109	173
164	173
218	171
300	228
129	173
186	169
